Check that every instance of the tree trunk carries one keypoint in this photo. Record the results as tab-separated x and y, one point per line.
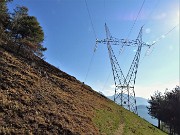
170	128
159	123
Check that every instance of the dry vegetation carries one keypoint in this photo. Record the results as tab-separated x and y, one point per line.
38	98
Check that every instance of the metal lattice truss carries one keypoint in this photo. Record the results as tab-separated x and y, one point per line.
124	85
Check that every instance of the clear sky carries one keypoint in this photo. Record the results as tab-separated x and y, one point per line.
70	40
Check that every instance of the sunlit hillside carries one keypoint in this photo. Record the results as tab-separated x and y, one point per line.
38	98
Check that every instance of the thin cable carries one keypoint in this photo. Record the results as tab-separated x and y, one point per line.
136	19
152	11
92	25
158	41
164	35
127	37
106	81
145	54
105	11
91	20
89	66
147	51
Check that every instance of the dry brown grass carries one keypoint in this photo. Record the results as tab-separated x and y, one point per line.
38	98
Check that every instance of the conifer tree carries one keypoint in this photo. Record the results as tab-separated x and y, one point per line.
27	31
156	105
4	19
166	108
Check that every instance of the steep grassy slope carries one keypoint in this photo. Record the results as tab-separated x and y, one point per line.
37	98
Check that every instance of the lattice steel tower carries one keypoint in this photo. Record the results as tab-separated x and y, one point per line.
124	85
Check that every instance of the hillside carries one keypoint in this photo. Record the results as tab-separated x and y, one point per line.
142	104
38	98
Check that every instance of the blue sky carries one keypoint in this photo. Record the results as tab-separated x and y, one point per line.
70	39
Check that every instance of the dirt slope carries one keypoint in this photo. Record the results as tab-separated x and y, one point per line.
38	98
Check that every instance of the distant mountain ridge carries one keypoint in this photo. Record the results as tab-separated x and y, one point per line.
139	100
143	113
142	104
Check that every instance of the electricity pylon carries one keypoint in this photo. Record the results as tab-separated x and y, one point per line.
124	86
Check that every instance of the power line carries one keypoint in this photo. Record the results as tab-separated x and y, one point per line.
91	20
106	81
160	38
127	38
136	19
92	25
105	11
164	35
152	11
146	52
89	66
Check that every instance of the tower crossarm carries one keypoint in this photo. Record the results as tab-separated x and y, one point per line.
135	43
131	76
111	40
123	42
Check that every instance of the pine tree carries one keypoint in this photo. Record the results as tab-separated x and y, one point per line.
166	108
22	29
172	112
26	31
4	20
156	106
